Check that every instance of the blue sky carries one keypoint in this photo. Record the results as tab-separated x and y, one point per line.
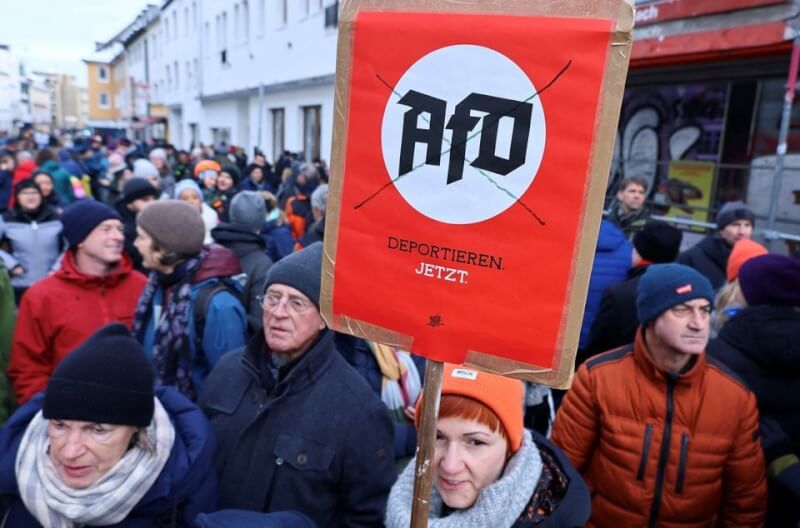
54	35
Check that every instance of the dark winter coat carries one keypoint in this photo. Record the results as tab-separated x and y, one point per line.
315	233
278	239
315	440
186	486
129	227
709	257
6	182
616	321
250	519
561	491
612	259
358	354
249	248
761	344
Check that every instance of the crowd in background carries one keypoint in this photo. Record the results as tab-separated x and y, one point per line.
684	412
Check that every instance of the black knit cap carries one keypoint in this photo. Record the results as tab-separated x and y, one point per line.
27	183
136	188
301	270
81	217
658	242
106	379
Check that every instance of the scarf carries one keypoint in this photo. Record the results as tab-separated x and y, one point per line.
172	352
499	505
401	385
111	498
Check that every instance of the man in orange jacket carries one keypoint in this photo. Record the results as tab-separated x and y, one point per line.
663	435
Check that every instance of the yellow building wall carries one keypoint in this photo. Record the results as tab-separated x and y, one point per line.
95	87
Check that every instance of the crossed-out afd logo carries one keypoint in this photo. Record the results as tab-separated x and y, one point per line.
463	134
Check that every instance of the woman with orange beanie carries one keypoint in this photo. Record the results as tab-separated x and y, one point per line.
488	470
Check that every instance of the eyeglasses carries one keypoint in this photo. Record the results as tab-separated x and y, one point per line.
293	305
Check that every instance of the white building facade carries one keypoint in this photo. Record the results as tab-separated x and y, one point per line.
12	110
250	73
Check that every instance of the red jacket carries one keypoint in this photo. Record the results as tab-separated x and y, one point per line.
664	450
60	311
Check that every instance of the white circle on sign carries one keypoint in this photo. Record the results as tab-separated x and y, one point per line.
452	75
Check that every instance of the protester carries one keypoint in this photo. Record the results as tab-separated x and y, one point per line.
30	237
46	185
612	259
299	430
487	469
616	322
7	165
206	173
188	191
735	221
187	317
761	344
95	285
254	179
276	232
227	186
242	235
137	193
101	447
729	299
25	167
629	211
158	157
62	179
663	435
319	204
143	168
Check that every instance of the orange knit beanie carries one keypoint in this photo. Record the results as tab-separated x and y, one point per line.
742	251
503	396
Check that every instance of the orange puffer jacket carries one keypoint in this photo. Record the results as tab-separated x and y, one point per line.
663	450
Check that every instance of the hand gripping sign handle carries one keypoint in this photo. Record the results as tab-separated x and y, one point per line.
426	443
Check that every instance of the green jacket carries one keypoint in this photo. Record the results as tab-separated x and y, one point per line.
62	180
7	315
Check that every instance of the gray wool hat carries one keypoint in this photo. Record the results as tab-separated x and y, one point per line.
301	270
175	225
733	211
248	210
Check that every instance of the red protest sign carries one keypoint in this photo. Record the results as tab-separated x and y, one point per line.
464	183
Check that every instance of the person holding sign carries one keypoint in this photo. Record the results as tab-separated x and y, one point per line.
488	470
663	435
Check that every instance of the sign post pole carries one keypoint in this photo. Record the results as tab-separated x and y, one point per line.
426	443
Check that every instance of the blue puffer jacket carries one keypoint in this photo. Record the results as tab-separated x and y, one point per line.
186	487
612	260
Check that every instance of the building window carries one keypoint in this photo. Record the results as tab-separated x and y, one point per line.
261	17
177	76
194	16
332	15
311	132
245	21
102	74
281	12
186	21
196	74
175	24
104	100
277	132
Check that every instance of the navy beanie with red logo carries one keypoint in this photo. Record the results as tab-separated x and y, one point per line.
666	285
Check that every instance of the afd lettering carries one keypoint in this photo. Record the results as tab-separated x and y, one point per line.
462	122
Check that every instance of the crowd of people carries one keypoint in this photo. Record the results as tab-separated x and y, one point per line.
165	363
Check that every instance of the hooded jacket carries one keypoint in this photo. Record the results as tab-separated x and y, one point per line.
186	486
709	257
660	449
60	311
761	344
62	184
315	439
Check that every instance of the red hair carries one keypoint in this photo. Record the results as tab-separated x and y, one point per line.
461	407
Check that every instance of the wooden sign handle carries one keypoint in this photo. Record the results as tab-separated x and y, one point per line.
426	443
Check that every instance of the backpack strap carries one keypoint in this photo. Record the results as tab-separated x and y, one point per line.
201	304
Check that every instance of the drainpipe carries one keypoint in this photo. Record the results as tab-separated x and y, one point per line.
788	99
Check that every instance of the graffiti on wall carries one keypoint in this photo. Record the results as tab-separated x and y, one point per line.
660	125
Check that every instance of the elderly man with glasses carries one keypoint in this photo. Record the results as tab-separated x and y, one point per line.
298	428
